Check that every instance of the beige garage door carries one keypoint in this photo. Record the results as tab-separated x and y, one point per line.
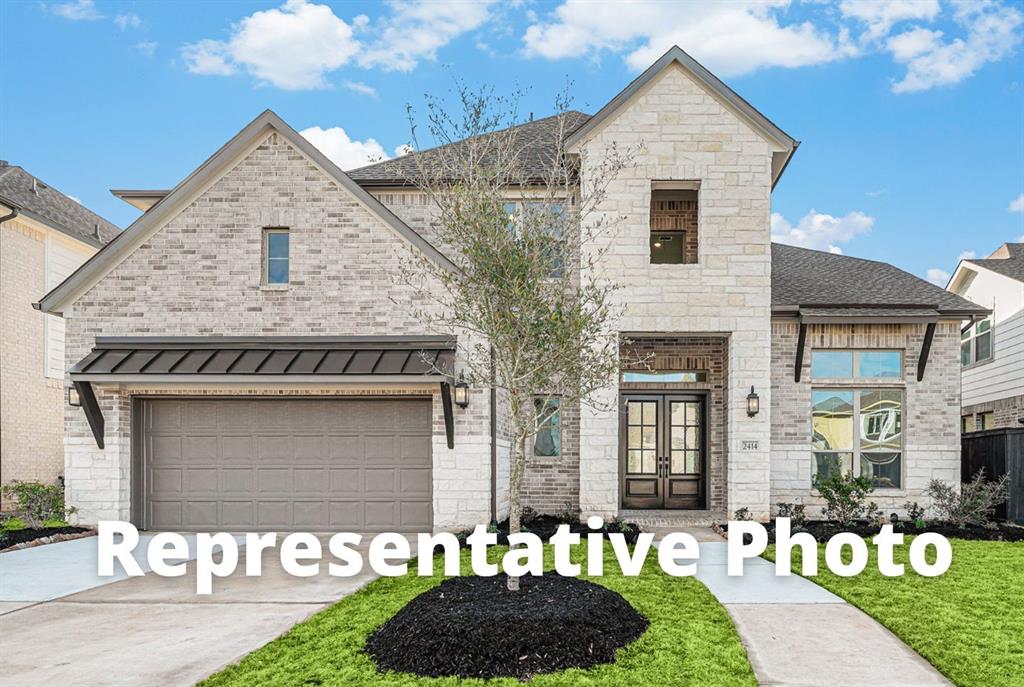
360	465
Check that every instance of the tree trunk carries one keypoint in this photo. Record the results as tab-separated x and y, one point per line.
515	513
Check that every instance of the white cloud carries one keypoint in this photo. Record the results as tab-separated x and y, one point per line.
403	149
296	45
342	150
992	33
820	231
291	47
966	255
876	193
79	10
1017	204
880	17
729	38
129	20
938	277
147	48
417	28
361	88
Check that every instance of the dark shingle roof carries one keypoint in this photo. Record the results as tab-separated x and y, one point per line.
809	278
43	203
1011	266
536	139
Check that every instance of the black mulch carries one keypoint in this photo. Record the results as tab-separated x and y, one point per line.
475	627
822	530
544	526
12	537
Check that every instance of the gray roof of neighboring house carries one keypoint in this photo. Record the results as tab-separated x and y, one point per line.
43	203
536	140
812	280
1011	266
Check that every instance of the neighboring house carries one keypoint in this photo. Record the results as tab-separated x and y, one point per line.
245	353
44	237
992	348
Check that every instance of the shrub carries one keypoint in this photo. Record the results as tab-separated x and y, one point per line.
975	502
569	514
794	511
742	514
915	511
844	494
12	524
38	502
874	514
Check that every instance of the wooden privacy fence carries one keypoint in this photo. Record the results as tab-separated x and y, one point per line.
1000	452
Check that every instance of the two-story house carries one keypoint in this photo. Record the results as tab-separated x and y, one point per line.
992	348
44	237
245	355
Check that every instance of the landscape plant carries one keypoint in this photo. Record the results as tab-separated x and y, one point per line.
526	295
845	494
796	512
38	505
973	504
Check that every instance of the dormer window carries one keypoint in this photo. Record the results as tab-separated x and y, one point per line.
674	220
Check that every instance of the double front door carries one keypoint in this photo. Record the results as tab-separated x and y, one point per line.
663	451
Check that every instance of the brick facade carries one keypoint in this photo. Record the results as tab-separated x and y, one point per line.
931	429
1006	412
200	275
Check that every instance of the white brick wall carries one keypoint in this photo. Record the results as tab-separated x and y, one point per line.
688	135
200	276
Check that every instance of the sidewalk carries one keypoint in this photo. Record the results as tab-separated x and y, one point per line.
798	634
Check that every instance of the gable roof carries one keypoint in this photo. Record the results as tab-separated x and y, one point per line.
41	202
535	140
1008	261
810	281
715	86
198	181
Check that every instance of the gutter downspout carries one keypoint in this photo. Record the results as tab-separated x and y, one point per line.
15	211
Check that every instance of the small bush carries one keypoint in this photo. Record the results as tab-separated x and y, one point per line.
569	514
844	494
975	502
914	510
742	514
794	511
38	502
12	524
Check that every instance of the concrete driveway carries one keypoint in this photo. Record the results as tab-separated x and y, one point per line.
156	631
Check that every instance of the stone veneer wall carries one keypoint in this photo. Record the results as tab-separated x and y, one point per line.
31	436
697	353
200	276
1006	412
687	134
931	407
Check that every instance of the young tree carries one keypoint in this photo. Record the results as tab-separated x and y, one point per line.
534	314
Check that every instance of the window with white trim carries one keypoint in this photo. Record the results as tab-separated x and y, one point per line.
858	431
976	342
275	256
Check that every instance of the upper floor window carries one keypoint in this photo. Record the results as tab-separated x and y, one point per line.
545	224
674	219
833	364
976	342
275	256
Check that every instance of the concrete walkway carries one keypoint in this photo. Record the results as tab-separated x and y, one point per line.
798	634
149	630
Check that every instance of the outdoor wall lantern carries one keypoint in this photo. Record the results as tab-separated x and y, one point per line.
73	399
753	403
461	396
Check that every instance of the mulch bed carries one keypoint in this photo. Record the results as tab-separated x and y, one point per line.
12	538
544	526
823	530
475	627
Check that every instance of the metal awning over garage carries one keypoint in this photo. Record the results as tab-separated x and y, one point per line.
263	360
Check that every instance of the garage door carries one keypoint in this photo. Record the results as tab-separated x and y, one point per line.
285	464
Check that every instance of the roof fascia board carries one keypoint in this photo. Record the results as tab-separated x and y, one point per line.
197	183
47	225
277	380
989	271
711	83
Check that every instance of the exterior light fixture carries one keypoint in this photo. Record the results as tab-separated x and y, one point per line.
753	403
73	400
461	394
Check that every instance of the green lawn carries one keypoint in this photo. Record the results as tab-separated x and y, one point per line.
968	623
690	641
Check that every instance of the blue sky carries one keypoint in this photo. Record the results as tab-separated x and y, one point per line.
911	113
